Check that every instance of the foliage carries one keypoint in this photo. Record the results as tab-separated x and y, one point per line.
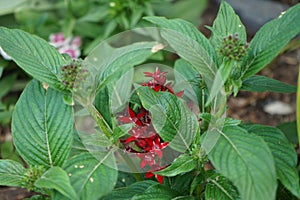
175	132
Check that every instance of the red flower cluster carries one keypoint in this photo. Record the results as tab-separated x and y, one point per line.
144	140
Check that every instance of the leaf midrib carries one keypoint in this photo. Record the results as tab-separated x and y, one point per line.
46	130
93	170
242	158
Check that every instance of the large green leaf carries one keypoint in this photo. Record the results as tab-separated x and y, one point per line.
171	117
42	126
56	178
109	63
34	55
262	84
226	23
11	173
120	91
187	77
101	103
219	187
245	160
271	38
188	43
90	177
156	192
128	192
182	164
284	155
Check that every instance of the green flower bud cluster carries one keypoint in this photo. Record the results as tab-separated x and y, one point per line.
73	75
233	48
30	176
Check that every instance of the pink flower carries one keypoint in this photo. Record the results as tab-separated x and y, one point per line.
69	46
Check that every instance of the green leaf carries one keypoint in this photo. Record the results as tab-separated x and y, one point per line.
6	83
34	55
188	43
101	103
262	84
109	63
1	70
290	131
182	183
95	14
156	192
171	117
244	159
218	83
284	155
7	151
226	22
9	6
56	178
42	126
188	78
184	198
182	164
90	177
130	191
120	91
271	38
219	187
77	145
180	8
11	173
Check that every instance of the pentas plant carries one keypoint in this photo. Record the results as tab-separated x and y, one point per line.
177	135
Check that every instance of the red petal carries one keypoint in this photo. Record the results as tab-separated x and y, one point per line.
148	74
159	178
157	88
131	112
149	175
163	145
130	139
179	94
125	119
143	164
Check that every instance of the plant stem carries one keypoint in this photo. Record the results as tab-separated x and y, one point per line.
298	107
100	121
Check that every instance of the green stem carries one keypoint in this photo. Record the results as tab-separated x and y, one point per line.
100	121
298	107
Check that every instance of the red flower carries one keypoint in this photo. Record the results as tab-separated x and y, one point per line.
159	178
158	77
144	140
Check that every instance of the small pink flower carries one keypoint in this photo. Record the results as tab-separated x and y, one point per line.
72	51
76	41
69	46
